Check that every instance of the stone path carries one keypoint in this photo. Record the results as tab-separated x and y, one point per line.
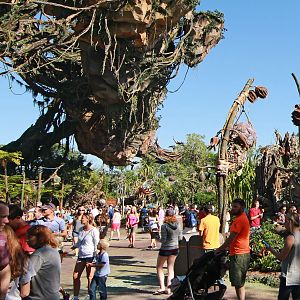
133	274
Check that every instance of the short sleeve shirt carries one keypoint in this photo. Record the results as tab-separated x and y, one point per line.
241	226
210	226
56	225
252	213
102	258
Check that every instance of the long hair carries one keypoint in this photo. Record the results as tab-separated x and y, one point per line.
43	235
170	219
294	218
18	259
133	211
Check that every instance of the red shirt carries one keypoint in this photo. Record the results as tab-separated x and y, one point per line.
21	233
241	226
252	213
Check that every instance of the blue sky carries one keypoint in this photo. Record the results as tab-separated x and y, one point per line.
261	42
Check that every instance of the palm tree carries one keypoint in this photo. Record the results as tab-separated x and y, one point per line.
5	158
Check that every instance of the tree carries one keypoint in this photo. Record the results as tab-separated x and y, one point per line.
100	71
5	159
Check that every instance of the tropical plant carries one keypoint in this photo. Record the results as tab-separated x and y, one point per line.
261	259
243	185
5	159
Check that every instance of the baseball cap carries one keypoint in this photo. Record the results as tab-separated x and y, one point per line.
49	206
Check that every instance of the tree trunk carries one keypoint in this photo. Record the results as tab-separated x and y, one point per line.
221	179
4	165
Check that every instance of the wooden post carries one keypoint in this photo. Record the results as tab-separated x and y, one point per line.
62	196
40	173
221	179
23	188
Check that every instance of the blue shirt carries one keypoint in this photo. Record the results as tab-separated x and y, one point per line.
102	258
56	225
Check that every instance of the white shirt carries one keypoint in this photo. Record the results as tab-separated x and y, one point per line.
87	242
95	212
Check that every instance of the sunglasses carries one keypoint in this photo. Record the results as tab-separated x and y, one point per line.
81	209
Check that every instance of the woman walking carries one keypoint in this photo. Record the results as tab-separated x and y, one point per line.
132	221
45	262
290	259
153	227
88	239
115	223
171	234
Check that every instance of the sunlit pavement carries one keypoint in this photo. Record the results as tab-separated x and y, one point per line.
133	274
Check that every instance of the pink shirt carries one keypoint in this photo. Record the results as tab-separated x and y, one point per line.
132	220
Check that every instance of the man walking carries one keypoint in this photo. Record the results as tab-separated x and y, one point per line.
209	230
239	250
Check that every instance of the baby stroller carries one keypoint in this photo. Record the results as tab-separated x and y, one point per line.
202	277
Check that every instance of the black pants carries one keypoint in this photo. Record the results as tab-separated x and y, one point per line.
285	291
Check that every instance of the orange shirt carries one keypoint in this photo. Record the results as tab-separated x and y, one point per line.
210	226
241	226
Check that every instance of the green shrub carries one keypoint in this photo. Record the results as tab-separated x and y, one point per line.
261	259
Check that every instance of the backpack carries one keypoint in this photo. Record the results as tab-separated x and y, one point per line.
192	220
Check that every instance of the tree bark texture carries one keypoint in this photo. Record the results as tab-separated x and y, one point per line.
222	155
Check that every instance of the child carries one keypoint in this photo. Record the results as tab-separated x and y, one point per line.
102	271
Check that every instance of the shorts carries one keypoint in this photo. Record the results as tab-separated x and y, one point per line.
154	235
163	252
132	229
238	268
85	259
115	226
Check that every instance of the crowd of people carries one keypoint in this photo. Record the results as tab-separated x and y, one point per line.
32	245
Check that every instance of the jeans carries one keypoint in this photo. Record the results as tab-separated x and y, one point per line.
285	291
100	282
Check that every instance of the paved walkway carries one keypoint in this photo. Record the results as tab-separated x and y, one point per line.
133	274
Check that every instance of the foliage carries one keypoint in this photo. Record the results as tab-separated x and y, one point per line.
243	185
262	260
178	181
271	280
14	157
54	47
